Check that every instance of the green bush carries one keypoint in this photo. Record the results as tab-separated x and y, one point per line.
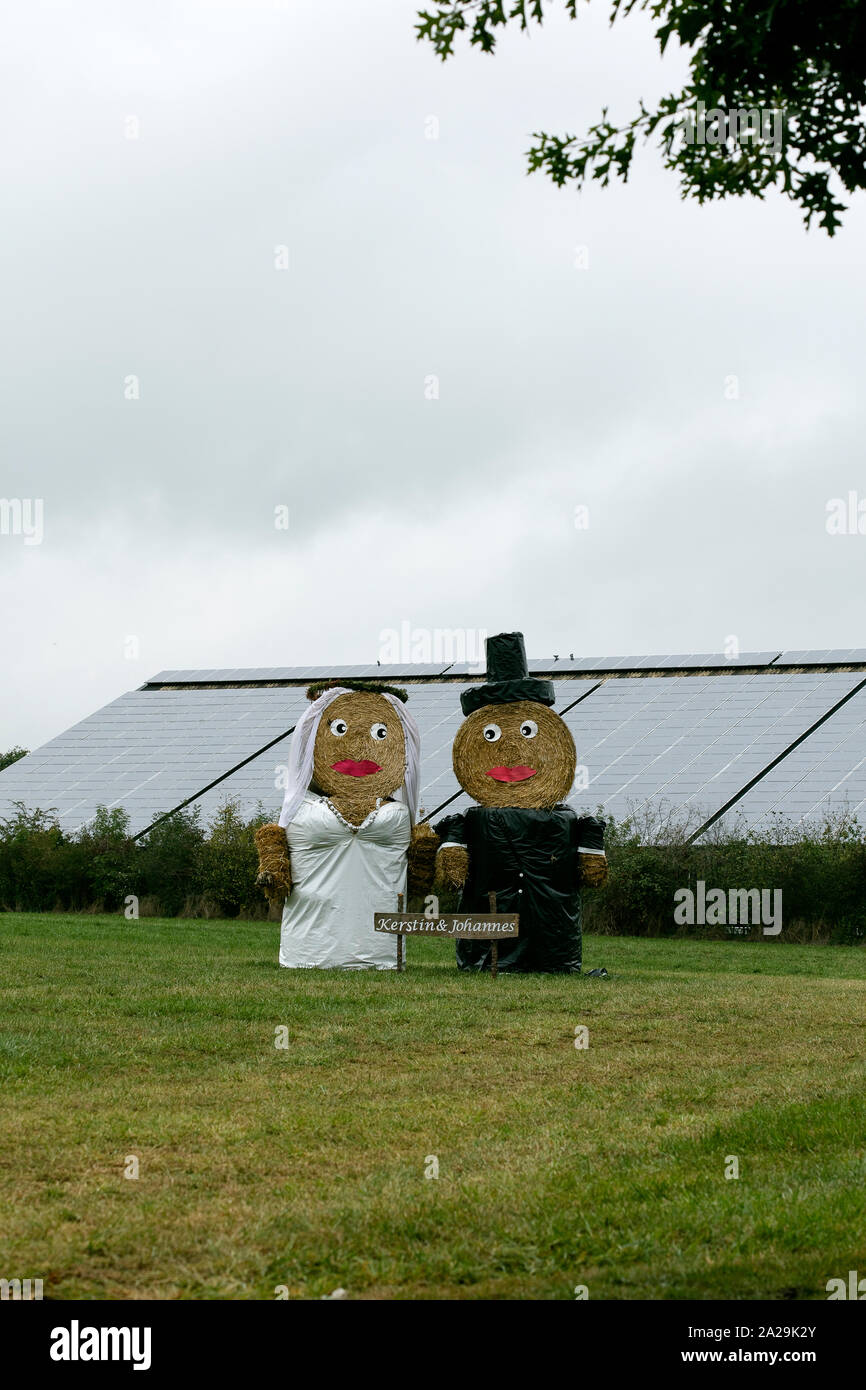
178	867
12	756
40	868
229	862
820	869
112	857
169	861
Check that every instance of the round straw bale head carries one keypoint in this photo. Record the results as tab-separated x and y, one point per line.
360	749
517	754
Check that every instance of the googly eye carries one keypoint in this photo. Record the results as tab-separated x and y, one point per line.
529	728
379	730
339	727
492	732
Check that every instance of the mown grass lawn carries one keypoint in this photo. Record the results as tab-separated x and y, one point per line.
305	1166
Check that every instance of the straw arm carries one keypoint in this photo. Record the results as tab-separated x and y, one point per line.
452	866
421	859
593	870
275	874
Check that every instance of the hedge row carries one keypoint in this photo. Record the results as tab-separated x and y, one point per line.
181	867
185	868
819	870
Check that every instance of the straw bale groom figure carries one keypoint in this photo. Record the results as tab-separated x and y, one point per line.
516	758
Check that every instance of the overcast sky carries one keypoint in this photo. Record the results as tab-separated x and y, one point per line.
305	125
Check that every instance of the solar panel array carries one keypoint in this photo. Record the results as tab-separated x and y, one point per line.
570	665
688	741
148	751
841	656
825	774
686	661
693	741
299	675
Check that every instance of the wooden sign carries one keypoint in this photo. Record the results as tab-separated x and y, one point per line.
463	926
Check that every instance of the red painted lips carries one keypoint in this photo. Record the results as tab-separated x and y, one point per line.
511	774
352	769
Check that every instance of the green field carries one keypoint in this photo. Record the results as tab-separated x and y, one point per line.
305	1166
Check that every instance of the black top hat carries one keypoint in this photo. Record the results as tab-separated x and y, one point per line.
508	678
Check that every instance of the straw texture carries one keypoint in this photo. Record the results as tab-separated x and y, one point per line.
349	733
522	735
275	875
452	866
375	687
593	870
422	859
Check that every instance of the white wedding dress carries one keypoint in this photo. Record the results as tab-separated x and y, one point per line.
340	876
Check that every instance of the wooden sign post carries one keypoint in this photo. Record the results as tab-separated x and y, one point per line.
399	934
464	926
